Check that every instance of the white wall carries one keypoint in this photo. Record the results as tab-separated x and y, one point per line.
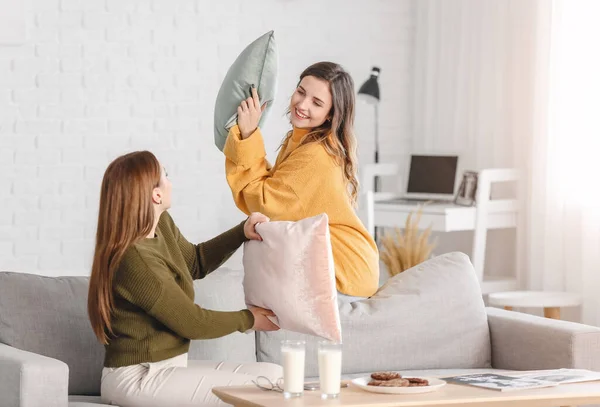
98	78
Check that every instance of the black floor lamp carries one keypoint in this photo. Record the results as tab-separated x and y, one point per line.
369	91
370	94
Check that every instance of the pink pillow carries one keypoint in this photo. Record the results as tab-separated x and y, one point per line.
291	272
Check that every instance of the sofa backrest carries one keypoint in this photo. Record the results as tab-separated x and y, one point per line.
222	290
48	316
429	317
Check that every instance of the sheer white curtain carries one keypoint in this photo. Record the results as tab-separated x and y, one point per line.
562	250
472	93
517	83
473	61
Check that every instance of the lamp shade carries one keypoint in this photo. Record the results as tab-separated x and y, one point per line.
371	87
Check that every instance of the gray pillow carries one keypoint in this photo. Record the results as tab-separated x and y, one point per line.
431	316
256	65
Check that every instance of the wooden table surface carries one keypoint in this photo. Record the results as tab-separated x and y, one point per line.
450	395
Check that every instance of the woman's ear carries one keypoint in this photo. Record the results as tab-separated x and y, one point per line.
157	196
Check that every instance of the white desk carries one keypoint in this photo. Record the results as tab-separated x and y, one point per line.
443	217
449	217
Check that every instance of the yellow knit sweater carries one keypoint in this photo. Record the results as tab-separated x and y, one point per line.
305	182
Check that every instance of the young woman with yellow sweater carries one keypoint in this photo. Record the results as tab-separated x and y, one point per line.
141	295
315	171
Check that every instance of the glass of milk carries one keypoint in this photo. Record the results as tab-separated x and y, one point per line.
330	369
292	355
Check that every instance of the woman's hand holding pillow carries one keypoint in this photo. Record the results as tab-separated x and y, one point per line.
261	320
250	225
249	112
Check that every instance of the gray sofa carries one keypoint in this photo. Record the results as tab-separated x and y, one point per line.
429	320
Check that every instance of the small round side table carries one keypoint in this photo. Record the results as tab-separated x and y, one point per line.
552	302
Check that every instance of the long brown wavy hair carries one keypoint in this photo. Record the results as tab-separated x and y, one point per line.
126	215
337	134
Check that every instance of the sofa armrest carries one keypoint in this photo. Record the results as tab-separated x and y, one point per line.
31	380
527	342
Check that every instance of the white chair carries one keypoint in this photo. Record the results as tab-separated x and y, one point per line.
484	206
366	210
501	290
368	196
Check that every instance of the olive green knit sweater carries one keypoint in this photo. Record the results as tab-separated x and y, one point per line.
154	315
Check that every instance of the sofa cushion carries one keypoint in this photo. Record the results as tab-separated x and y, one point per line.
256	65
291	272
431	316
222	291
48	316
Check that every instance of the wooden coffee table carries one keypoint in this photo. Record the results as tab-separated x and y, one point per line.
450	395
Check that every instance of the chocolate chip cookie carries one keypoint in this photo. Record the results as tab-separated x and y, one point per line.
385	376
416	382
395	383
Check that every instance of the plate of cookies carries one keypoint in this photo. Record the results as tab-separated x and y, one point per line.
395	383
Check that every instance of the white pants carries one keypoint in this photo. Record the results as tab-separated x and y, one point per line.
172	382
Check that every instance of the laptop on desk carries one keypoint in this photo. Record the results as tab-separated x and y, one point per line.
430	178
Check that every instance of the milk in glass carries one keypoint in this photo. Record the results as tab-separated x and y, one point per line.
330	369
293	355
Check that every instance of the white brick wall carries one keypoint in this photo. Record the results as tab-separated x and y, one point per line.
98	78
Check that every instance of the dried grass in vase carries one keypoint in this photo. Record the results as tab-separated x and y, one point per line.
407	249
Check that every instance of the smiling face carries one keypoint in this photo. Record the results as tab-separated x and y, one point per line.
311	103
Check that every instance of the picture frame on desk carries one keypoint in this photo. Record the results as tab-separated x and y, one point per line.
465	196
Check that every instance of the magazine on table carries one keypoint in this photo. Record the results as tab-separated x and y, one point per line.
529	380
494	381
564	375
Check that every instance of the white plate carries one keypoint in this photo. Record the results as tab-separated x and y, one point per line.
434	384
